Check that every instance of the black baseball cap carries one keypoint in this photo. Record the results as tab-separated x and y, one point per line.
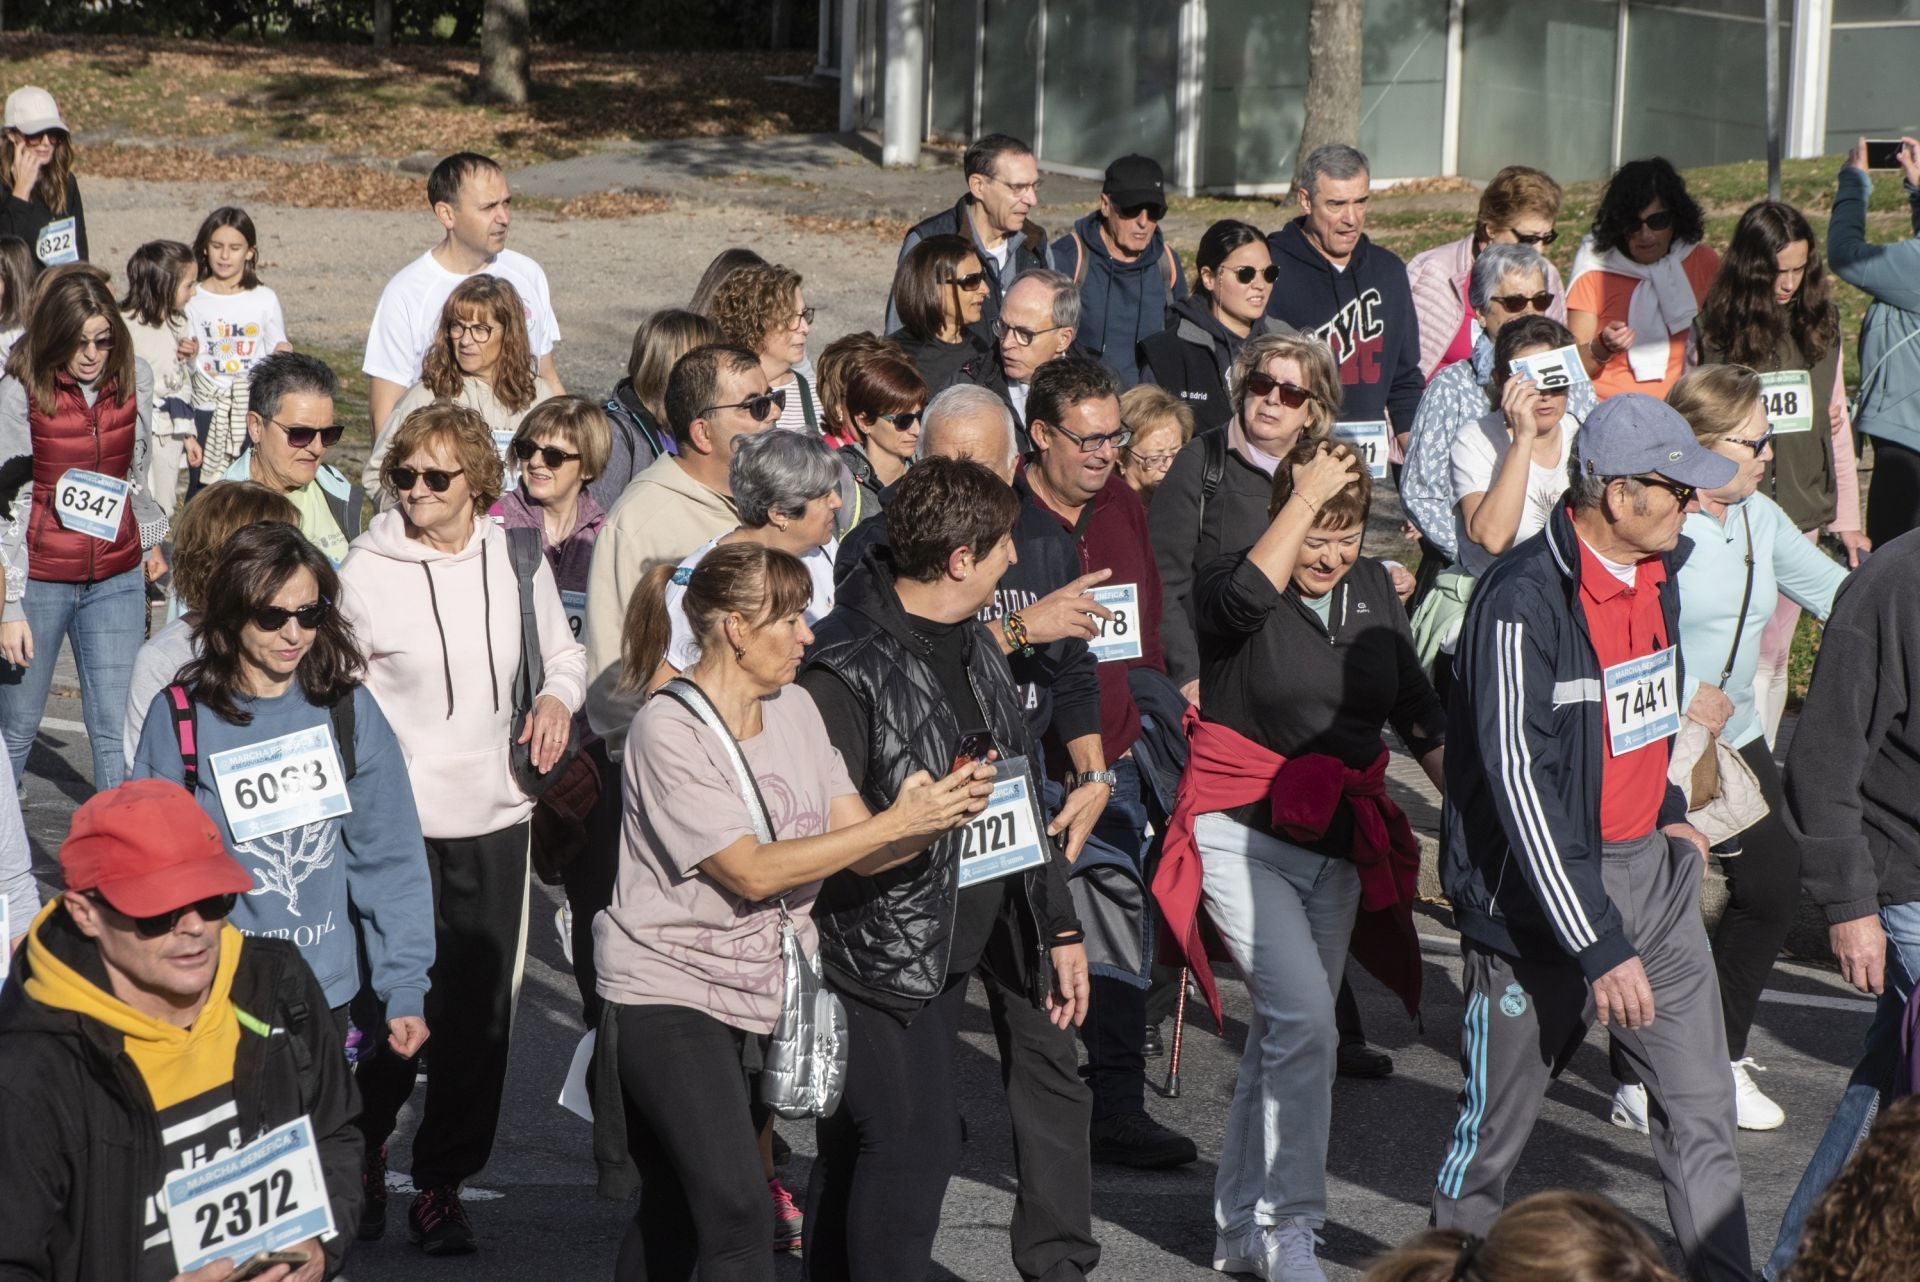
1135	180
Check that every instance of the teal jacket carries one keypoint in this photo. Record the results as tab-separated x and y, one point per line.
1889	404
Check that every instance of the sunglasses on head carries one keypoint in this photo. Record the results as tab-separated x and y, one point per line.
551	455
1261	385
402	479
1245	275
1520	302
759	408
1652	222
212	908
301	437
272	618
970	282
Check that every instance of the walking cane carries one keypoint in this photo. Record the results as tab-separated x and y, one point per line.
1179	1029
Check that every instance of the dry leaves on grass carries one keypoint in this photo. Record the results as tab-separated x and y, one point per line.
613	204
883	228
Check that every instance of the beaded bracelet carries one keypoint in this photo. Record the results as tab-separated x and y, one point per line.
1014	628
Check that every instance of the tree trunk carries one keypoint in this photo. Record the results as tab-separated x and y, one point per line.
505	34
383	24
1334	29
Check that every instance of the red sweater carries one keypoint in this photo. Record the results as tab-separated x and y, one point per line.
1226	769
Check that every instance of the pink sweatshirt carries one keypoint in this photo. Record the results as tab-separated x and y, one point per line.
442	650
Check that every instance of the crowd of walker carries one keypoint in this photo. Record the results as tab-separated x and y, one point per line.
1029	640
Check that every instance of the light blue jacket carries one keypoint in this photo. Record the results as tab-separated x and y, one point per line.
1890	335
1712	583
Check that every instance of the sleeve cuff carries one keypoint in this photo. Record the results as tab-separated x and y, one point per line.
404	1003
14	612
1852	910
1605	953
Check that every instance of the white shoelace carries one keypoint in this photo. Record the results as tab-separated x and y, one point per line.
1294	1244
1745	1066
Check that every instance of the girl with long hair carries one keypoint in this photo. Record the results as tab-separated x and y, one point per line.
235	319
160	280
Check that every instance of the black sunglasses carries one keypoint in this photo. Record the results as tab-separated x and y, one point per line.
402	478
902	422
212	908
1262	385
272	618
1153	212
1520	302
1652	222
759	408
970	282
552	455
1534	237
301	437
1245	275
1757	444
1683	494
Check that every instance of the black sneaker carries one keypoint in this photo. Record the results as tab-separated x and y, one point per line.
1357	1059
1151	1044
782	1151
373	1189
1136	1140
438	1224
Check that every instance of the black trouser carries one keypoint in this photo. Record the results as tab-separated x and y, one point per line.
1763	885
589	877
1893	503
479	935
703	1200
1115	1034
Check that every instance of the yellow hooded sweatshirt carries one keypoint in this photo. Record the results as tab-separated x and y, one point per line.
177	1064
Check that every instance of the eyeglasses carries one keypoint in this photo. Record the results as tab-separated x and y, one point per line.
104	343
1153	462
1534	237
1128	213
212	908
301	437
1652	222
1682	494
1022	336
1757	444
402	479
1520	302
1032	189
457	330
1262	385
551	455
760	408
970	282
272	618
802	317
1094	444
1245	275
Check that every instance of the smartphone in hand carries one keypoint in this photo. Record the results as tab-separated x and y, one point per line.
1883	153
972	749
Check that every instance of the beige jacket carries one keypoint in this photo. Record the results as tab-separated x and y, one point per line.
660	517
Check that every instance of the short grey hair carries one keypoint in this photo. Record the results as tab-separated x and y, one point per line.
1497	265
779	472
285	374
1332	160
1066	295
963	402
1587	489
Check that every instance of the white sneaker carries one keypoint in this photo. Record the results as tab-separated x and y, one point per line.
1246	1253
563	926
1755	1111
1290	1253
1630	1108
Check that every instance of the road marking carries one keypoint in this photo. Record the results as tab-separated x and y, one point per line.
68	727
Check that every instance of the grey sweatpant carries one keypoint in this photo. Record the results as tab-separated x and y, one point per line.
1525	1018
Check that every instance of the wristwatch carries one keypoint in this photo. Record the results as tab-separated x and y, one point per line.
1111	778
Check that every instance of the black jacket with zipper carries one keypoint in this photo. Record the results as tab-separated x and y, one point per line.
80	1148
1189	531
1193	358
1026	251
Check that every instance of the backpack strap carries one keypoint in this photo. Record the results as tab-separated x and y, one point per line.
523	549
807	411
1213	445
180	704
1079	254
341	714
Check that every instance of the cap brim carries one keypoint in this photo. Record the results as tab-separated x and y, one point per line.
175	886
1128	199
41	126
1701	468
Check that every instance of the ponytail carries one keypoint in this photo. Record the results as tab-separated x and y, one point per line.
646	631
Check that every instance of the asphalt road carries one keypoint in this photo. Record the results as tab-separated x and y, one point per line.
536	1213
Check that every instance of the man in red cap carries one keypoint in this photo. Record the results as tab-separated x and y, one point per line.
143	1036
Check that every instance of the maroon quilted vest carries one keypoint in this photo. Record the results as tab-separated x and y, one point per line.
96	438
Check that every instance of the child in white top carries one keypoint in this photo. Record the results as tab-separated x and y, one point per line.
236	319
160	280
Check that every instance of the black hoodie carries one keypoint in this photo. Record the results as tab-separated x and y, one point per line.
1193	356
1365	314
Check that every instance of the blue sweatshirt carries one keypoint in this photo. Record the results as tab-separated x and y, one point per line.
1120	303
1890	332
305	878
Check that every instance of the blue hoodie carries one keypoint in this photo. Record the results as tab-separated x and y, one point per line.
372	859
1120	303
1889	405
1365	314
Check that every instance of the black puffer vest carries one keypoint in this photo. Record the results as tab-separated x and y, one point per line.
894	932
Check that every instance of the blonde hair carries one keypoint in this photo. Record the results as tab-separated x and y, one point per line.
1145	406
1315	359
1514	191
579	423
204	526
463	431
1716	400
1562	1236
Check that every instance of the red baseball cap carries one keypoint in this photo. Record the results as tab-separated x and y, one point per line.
148	848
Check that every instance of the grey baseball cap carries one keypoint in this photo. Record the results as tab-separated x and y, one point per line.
1634	434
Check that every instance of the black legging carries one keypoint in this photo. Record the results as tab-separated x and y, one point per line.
1763	885
1893	502
703	1199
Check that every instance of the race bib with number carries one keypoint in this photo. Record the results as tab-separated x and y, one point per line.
1788	396
1643	701
1553	371
91	503
1005	838
502	440
283	783
58	242
268	1196
1369	441
576	607
1119	637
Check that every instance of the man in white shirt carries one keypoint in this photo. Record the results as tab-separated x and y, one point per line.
469	196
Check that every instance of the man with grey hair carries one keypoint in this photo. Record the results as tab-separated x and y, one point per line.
1573	873
968	421
1343	289
1037	324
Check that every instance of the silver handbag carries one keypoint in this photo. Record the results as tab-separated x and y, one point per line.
805	1067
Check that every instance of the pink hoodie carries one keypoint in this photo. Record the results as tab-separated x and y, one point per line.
442	649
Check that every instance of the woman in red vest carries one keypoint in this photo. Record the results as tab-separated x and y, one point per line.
74	420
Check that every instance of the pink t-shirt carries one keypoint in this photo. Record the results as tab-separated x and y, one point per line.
672	934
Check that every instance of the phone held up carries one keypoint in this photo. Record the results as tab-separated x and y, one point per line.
1883	153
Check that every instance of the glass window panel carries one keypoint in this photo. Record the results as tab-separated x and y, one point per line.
1874	10
1112	69
1538	87
1694	109
1870	85
1009	59
950	51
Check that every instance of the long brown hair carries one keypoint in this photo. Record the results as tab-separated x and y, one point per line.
1739	316
1866	1226
513	372
64	299
255	563
50	188
758	583
204	526
1562	1236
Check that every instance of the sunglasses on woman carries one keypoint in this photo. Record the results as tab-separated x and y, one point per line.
902	422
759	408
301	437
1652	222
970	282
1245	275
402	479
1534	237
1261	385
551	455
1520	302
272	618
212	908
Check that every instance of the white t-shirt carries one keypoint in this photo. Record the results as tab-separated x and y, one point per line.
1477	454
1017	393
793	415
408	317
236	332
683	651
